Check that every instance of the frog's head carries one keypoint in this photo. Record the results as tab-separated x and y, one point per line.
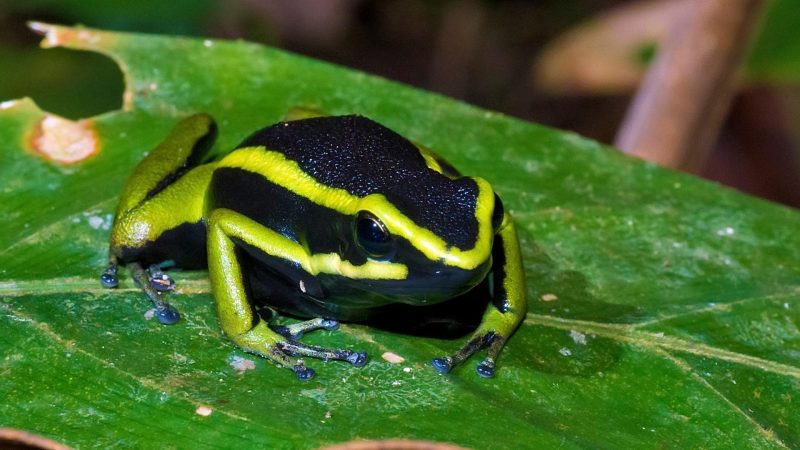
430	241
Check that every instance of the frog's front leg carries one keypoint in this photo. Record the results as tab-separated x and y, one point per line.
505	312
237	317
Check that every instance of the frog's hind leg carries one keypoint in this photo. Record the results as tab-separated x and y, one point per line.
186	146
505	312
171	170
226	229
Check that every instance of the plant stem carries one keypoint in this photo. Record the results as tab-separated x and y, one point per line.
677	112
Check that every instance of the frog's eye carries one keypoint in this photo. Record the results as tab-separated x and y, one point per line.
497	215
372	235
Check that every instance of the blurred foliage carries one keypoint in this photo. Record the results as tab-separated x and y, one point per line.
174	16
375	25
408	41
776	54
400	40
393	39
93	83
82	84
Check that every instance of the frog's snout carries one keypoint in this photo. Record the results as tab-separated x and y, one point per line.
447	282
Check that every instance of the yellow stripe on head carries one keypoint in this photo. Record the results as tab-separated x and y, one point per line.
275	167
273	243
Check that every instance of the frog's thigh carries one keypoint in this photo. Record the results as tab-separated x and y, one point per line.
236	314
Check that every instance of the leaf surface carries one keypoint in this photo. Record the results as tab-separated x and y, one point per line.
664	310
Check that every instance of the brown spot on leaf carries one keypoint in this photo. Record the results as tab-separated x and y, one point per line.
63	140
549	297
393	444
203	410
13	438
393	358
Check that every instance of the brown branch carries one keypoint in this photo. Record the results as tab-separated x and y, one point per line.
682	101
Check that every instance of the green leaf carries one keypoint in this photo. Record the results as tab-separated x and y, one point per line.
664	310
775	56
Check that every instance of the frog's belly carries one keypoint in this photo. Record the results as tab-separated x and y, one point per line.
449	319
289	298
331	296
289	289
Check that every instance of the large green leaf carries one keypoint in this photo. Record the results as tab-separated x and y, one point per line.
664	310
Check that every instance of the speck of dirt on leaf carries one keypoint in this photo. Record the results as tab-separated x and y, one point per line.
549	297
203	410
565	351
577	337
95	222
242	365
727	231
393	358
149	314
63	140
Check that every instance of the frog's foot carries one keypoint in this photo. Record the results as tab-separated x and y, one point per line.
109	277
283	351
164	312
295	331
159	280
478	341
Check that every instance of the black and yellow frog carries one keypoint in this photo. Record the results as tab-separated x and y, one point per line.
326	217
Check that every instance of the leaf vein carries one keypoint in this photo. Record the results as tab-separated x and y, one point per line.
652	340
718	307
686	367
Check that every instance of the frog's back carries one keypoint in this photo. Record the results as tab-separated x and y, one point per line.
363	157
348	152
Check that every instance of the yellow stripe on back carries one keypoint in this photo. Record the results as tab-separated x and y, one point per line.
276	168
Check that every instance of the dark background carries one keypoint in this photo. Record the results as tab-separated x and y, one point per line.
483	52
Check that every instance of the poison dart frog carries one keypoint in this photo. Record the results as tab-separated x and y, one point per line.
329	218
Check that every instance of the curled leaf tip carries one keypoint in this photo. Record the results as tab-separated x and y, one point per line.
58	35
39	27
47	30
8	104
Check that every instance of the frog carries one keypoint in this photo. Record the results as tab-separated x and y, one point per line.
325	219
